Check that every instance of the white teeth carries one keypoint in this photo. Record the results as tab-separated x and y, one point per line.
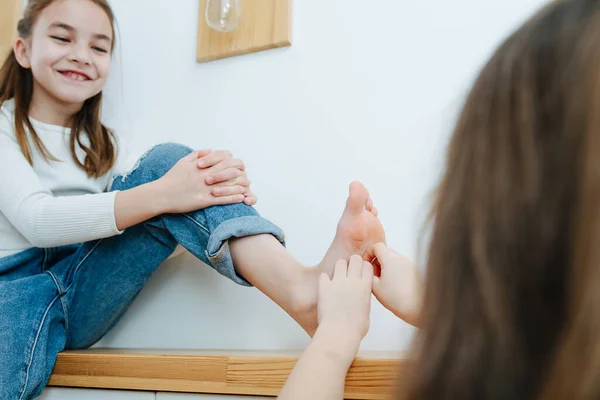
76	77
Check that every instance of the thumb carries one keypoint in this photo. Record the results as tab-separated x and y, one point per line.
380	252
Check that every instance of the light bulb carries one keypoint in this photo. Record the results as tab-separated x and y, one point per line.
223	15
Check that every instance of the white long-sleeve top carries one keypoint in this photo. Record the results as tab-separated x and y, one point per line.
51	203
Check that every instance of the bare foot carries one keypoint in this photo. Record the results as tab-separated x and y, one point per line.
358	230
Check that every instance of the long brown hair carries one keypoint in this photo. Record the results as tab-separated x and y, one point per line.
16	83
512	303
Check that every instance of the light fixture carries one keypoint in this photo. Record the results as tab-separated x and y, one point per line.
223	15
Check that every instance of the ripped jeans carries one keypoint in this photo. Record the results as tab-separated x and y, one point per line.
69	297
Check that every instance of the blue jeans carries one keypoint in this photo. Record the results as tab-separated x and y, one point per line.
69	297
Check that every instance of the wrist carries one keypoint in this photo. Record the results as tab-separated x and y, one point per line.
158	197
408	310
337	343
412	317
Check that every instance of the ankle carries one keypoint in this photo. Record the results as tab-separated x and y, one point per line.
303	296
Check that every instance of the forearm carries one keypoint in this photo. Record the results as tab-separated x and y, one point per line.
48	221
407	308
43	219
413	318
401	289
139	204
320	374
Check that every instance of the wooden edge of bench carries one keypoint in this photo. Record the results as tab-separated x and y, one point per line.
372	375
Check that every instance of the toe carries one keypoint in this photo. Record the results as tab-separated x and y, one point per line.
358	197
369	204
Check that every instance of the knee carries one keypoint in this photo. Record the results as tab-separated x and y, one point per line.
155	163
172	152
161	158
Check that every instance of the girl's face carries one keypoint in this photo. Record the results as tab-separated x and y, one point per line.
68	52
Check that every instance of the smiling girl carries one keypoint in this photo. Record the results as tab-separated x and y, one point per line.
79	237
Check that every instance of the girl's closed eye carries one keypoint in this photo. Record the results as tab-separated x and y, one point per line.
99	49
60	39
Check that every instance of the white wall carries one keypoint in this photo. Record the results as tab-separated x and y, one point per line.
368	91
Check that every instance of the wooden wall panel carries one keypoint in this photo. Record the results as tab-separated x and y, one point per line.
266	24
10	13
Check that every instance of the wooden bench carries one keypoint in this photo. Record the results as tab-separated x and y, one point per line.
372	376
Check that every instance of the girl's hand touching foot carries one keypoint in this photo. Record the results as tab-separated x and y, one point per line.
344	305
399	288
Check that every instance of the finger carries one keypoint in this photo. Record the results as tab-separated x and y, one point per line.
340	270
228	191
250	199
381	252
375	211
370	255
355	266
194	155
213	158
222	176
227	164
238	198
234	163
323	279
367	272
241	180
322	287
